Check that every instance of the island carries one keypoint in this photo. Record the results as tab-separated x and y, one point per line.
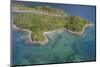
38	20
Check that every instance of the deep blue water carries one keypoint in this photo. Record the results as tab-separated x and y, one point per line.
62	46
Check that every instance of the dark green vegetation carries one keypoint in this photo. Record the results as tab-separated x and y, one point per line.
40	23
76	23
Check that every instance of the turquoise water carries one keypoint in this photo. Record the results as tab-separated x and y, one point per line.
62	46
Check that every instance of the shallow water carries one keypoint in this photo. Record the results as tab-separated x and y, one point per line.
62	46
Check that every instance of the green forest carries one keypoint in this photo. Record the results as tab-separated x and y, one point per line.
43	23
40	23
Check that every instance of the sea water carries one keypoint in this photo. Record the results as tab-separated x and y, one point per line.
62	46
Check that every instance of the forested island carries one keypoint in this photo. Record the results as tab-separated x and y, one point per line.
40	19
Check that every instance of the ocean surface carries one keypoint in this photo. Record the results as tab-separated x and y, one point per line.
62	47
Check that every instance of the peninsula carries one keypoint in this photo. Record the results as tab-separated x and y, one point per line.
40	19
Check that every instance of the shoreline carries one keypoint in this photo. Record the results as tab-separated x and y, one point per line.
29	36
46	39
80	33
16	10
